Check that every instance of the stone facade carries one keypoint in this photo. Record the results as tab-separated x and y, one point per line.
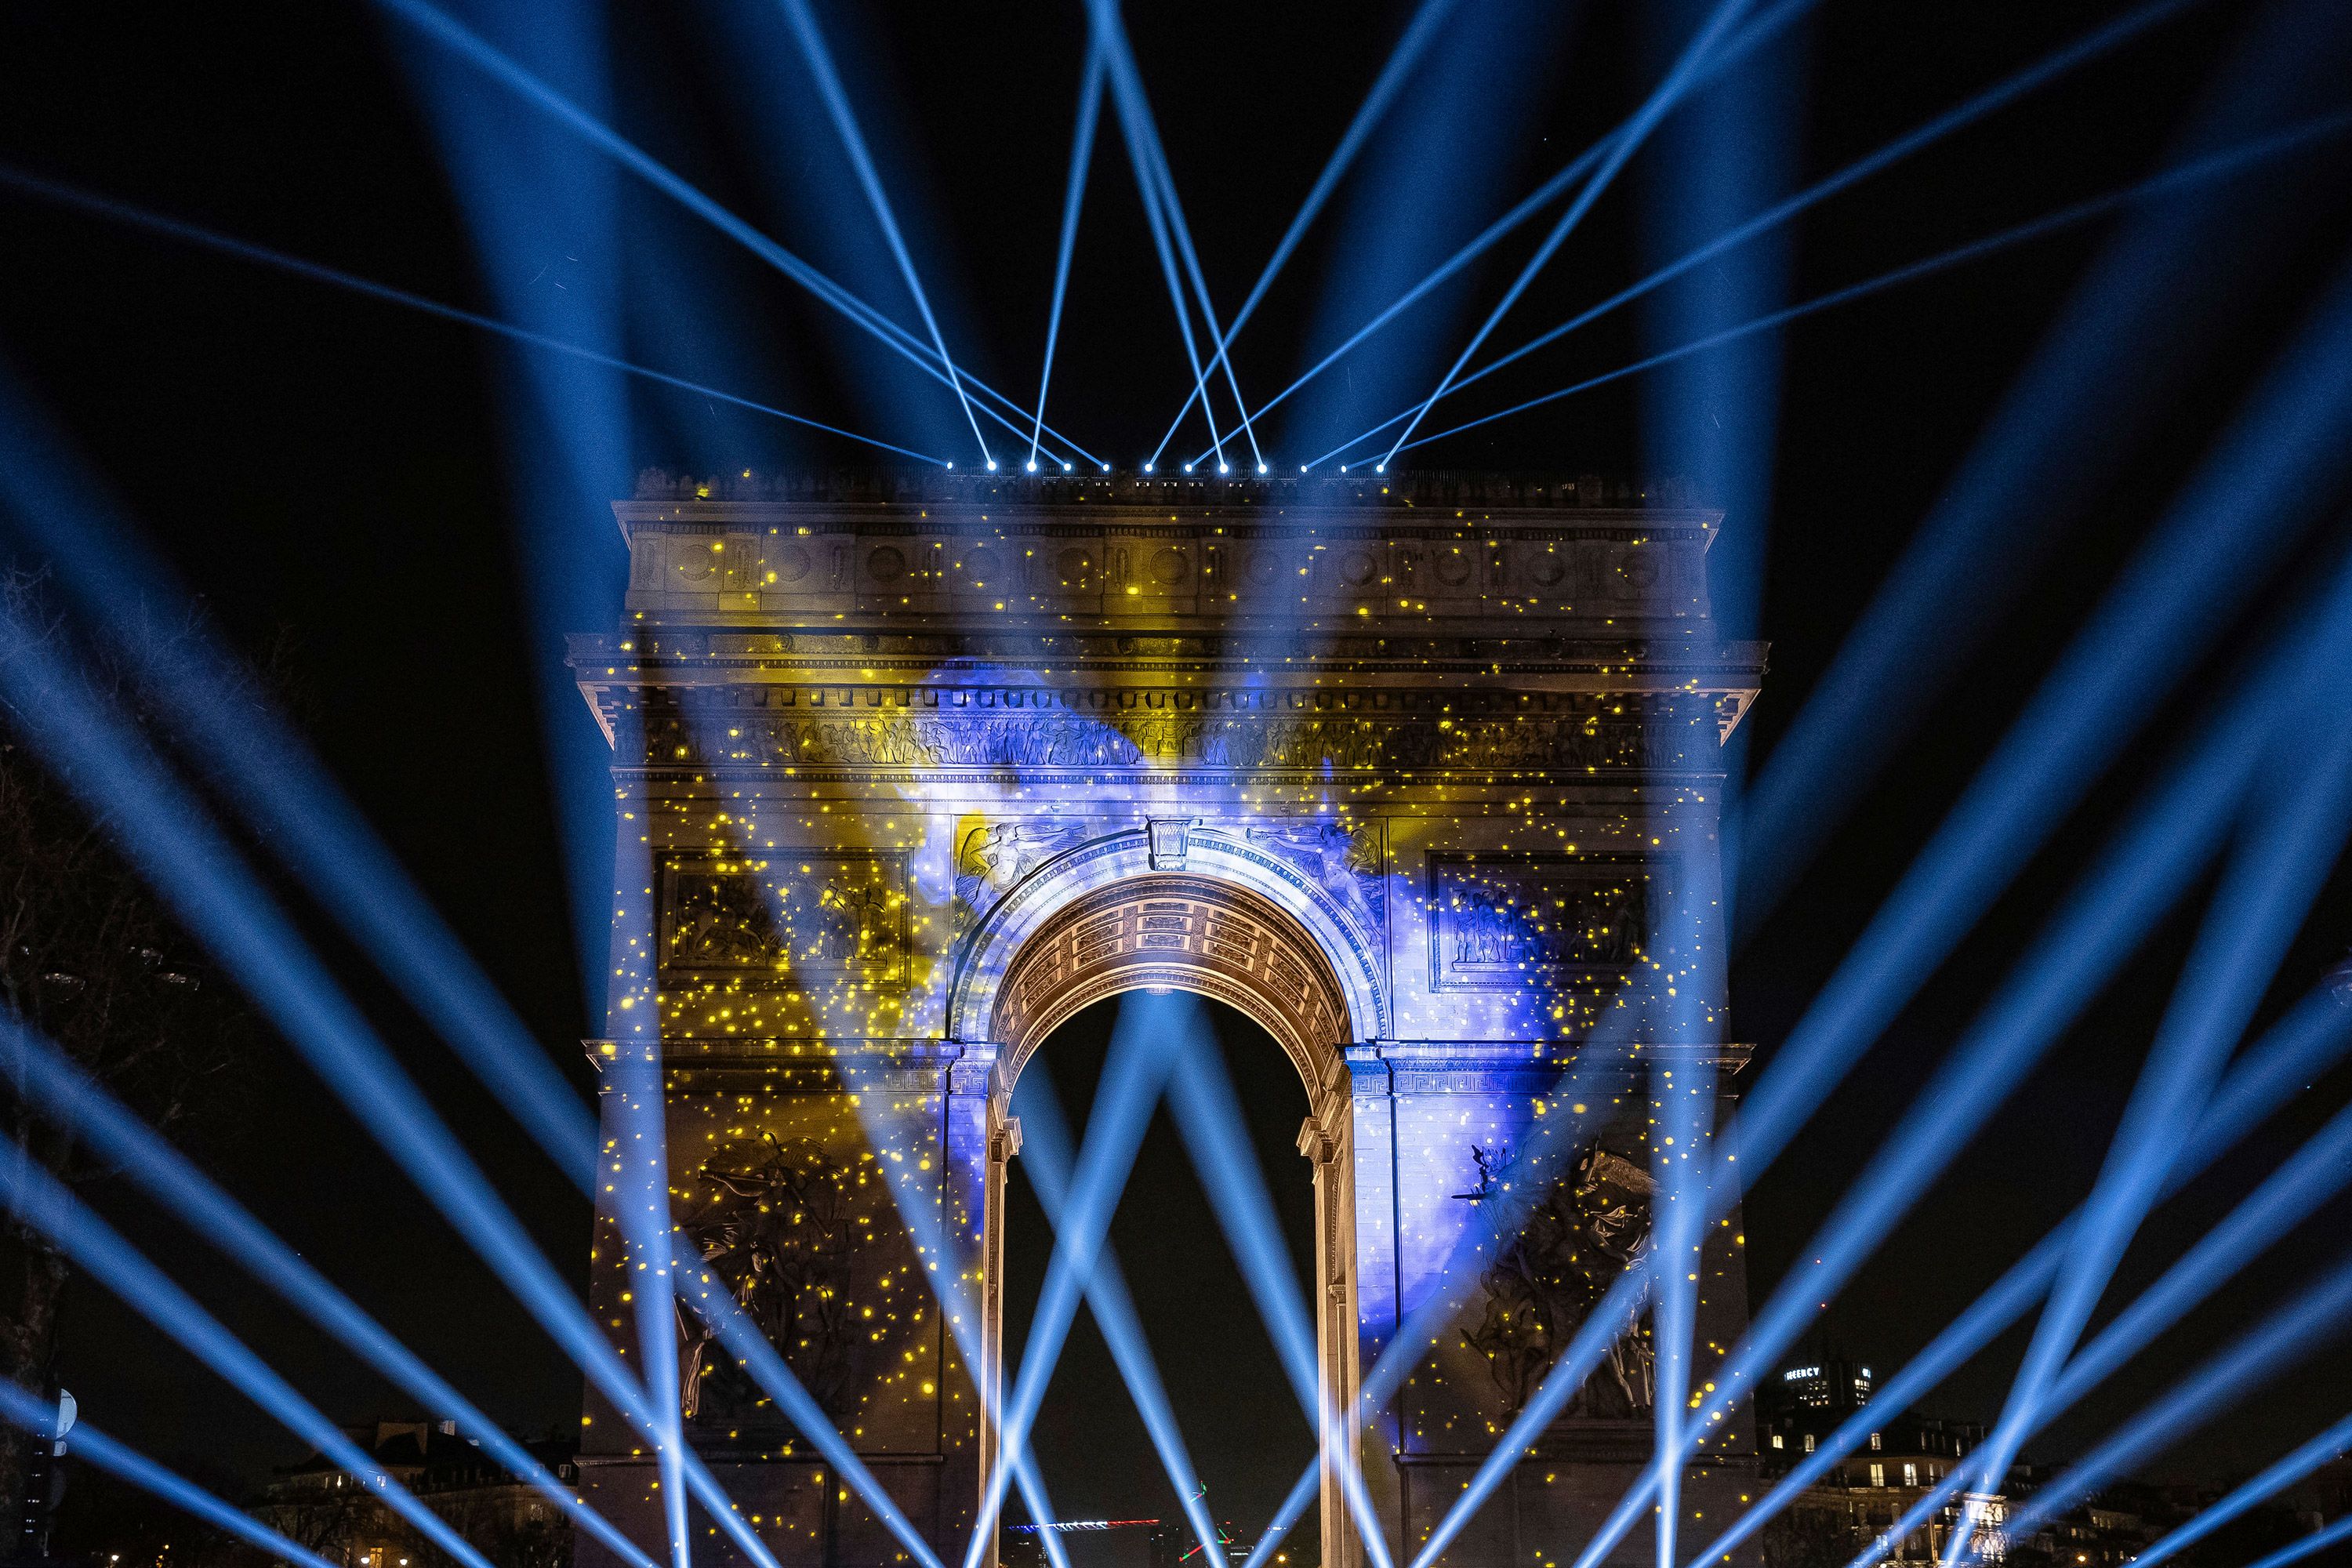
1418	776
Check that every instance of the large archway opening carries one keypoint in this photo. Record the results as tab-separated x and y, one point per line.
1222	943
1236	1411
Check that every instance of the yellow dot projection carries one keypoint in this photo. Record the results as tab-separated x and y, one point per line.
1461	761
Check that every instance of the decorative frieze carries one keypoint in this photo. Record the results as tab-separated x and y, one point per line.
1054	739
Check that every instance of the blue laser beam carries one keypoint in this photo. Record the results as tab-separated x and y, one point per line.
944	1264
2186	176
1767	25
268	774
1152	173
1208	1114
1726	154
547	231
1136	130
2313	1037
1622	147
2275	1478
632	1159
1073	194
2130	333
1046	1145
109	209
2321	1312
853	141
2153	862
29	1412
1174	211
1148	184
446	32
2146	869
220	902
2314	1173
2101	41
1499	1221
264	769
1131	1081
1286	1516
715	1303
41	1202
2261	903
2152	623
2218	540
637	1162
1426	23
42	1077
1684	993
2311	1545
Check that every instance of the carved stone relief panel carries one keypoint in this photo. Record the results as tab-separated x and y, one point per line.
992	856
1514	922
1591	1224
781	1228
1344	859
799	915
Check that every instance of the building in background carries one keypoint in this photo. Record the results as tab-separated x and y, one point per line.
1865	1492
1906	1455
514	1524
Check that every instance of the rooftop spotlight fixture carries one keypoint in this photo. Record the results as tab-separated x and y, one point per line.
1188	467
992	465
1261	468
1032	465
1147	468
1379	468
1066	467
1105	467
1225	468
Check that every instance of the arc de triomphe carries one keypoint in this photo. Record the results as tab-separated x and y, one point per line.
1418	776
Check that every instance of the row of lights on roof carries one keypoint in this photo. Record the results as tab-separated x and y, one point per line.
1031	467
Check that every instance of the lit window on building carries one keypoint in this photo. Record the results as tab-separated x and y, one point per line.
1910	1475
1776	1441
1878	1475
1808	1442
1873	1442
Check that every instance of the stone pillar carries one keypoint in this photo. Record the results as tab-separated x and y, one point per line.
1328	1141
979	1144
1372	1137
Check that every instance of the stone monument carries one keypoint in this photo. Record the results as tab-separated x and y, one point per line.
1421	774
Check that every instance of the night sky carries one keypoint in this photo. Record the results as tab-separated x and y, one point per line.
335	475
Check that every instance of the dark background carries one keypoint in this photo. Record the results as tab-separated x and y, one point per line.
333	472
